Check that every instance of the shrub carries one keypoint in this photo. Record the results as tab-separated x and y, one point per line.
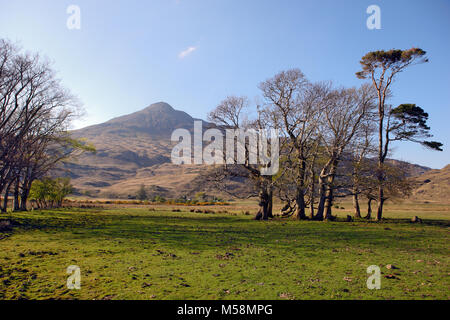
50	193
159	199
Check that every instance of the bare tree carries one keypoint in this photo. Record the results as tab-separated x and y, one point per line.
229	114
343	117
295	105
35	112
361	149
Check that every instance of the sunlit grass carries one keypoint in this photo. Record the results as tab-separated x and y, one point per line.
142	254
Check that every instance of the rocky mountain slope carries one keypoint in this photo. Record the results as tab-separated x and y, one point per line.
133	150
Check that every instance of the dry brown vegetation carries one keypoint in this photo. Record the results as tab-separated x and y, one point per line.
434	186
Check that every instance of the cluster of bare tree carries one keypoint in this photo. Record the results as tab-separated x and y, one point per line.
35	112
327	138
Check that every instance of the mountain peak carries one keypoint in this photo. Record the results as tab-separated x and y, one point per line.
158	119
160	107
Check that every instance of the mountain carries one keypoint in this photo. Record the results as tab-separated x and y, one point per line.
132	150
434	185
158	120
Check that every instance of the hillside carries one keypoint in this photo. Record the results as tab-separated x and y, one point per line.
133	150
412	170
433	185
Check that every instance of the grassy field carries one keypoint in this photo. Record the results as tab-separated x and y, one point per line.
132	253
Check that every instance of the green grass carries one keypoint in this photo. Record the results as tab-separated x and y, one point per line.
139	254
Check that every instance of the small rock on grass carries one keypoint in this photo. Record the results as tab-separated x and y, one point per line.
286	295
416	219
348	279
391	266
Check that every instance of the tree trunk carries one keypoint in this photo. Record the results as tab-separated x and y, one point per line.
312	185
264	204
311	208
369	209
5	201
321	205
380	203
329	203
24	199
330	189
270	207
355	178
25	193
4	208
300	202
300	212
325	190
356	205
381	156
311	197
16	202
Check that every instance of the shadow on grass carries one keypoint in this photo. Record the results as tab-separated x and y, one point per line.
202	232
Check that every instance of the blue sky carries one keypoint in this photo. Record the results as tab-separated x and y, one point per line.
129	54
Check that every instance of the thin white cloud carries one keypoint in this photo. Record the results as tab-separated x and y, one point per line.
183	54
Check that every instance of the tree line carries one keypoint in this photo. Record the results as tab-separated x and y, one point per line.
35	114
334	141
